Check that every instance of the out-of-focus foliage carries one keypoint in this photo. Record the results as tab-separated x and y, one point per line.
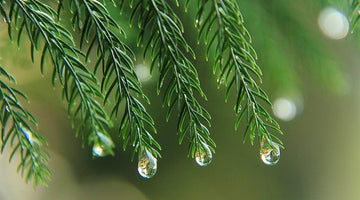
162	33
284	33
18	133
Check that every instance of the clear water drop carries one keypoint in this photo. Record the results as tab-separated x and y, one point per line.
221	10
203	156
98	150
269	153
28	134
197	22
147	164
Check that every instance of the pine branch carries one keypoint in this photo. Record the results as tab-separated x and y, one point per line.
79	84
167	44
17	131
354	15
235	59
119	78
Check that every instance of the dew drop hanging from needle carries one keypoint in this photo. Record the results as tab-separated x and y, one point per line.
203	156
269	153
98	150
147	164
28	134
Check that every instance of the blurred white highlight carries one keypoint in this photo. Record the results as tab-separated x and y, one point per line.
284	109
333	23
143	72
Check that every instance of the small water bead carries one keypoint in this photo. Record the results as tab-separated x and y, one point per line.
203	156
197	22
147	164
270	154
7	109
98	150
28	134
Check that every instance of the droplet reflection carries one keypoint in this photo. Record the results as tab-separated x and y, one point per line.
28	134
203	157
147	165
269	153
98	150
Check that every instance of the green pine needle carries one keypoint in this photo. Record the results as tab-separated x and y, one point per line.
17	132
119	78
235	60
167	44
220	24
354	15
80	87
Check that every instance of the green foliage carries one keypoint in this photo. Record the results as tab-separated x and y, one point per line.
79	84
165	43
220	24
354	14
17	131
235	59
116	60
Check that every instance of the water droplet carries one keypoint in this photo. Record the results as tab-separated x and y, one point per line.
28	134
98	150
147	164
221	10
269	153
3	19
203	156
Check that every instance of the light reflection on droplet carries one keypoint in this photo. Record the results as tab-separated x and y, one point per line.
333	23
143	72
147	165
197	22
203	157
28	134
98	150
285	109
269	153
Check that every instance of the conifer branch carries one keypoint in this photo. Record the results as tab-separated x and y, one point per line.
119	78
17	132
235	59
167	45
354	15
80	87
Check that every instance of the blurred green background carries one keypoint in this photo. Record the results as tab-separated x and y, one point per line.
314	73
